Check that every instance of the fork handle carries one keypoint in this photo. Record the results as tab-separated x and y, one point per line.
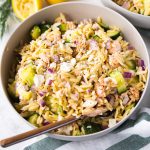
36	132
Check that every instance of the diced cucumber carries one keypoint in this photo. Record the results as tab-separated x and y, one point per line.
26	95
33	119
113	34
96	37
121	83
12	89
131	64
60	110
44	27
129	107
17	106
27	75
134	80
67	41
35	32
76	133
26	114
91	127
63	27
104	26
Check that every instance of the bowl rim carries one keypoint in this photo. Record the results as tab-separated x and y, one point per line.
66	137
127	11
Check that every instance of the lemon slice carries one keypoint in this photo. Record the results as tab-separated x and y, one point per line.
25	8
55	1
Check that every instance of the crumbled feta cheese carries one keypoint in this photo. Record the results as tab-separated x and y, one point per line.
61	45
59	93
92	76
112	122
116	45
49	78
53	65
89	52
20	89
90	58
73	61
96	26
99	92
89	127
38	80
61	59
67	85
55	26
65	66
89	103
93	45
39	42
59	118
108	79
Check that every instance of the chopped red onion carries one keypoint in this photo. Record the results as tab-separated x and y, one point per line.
41	93
115	91
42	103
107	45
130	47
48	43
111	99
67	85
50	70
56	58
75	42
125	100
116	45
89	91
77	95
45	123
108	97
50	82
43	36
127	74
126	5
104	127
141	64
93	45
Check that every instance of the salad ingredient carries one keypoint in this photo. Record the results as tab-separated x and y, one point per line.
35	32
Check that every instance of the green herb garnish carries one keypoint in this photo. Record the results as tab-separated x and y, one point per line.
5	10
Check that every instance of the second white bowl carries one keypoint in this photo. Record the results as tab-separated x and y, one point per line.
137	19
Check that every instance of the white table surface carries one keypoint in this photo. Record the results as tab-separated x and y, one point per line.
9	125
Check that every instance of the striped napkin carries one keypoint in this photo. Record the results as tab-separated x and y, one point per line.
134	134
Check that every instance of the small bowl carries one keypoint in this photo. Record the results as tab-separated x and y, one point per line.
137	19
76	11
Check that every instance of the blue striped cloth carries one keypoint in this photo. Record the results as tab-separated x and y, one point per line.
134	134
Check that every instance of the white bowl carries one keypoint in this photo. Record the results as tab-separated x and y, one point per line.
76	11
137	19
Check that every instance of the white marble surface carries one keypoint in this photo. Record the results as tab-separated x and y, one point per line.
9	124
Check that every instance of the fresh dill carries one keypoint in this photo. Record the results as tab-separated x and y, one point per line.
5	11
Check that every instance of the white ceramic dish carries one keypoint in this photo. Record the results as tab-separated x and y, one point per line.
76	11
137	19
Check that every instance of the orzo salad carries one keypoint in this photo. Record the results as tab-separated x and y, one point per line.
137	6
74	69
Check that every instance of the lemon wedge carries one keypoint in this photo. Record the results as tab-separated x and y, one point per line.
55	1
25	8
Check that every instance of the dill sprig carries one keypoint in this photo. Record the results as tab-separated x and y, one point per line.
5	10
